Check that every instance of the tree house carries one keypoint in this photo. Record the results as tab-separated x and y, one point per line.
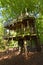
25	27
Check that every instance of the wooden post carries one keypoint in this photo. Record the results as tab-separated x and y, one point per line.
27	24
31	42
25	46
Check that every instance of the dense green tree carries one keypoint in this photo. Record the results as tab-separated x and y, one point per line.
12	8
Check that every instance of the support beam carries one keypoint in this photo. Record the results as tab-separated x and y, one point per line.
25	47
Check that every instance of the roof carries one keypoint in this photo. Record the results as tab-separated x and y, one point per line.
16	23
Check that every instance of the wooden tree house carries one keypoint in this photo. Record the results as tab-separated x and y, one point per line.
23	24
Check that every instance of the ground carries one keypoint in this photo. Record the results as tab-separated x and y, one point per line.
14	58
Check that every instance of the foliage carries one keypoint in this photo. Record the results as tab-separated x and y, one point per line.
12	8
1	29
39	25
